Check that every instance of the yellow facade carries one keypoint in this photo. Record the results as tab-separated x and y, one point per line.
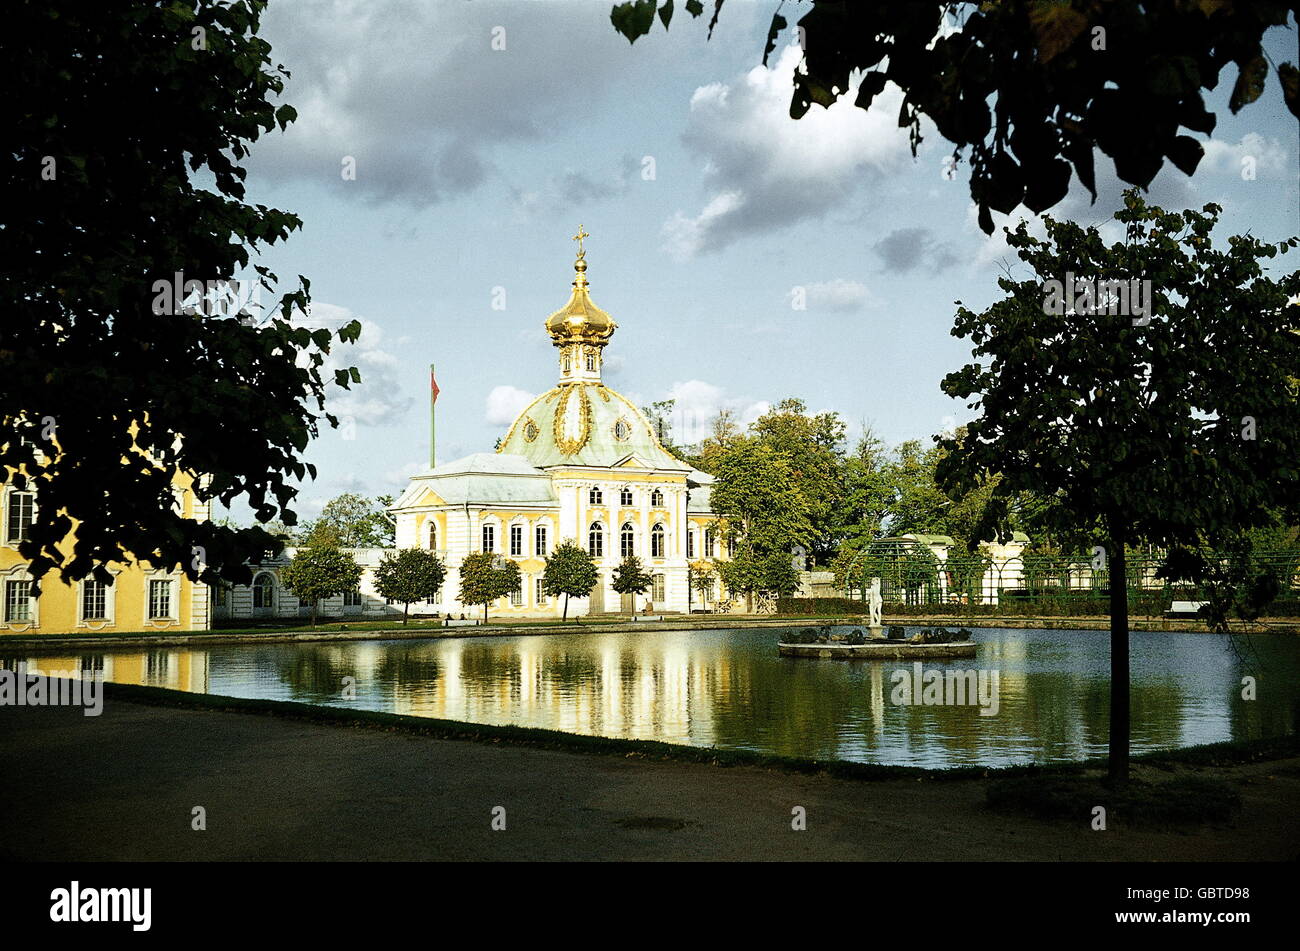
139	599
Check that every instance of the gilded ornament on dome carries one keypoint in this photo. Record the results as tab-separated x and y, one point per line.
567	443
531	431
622	429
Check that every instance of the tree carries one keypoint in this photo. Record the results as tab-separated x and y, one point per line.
1178	426
1063	78
631	578
484	577
410	575
811	446
865	493
353	521
724	431
758	492
660	416
780	575
702	578
570	571
110	375
749	573
918	504
318	572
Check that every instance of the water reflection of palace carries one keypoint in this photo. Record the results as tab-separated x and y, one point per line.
174	669
727	688
660	691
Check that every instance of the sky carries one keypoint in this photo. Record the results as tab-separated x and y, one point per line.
483	133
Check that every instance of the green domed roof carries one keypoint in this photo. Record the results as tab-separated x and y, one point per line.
586	424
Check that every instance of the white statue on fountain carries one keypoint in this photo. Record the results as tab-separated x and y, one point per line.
874	603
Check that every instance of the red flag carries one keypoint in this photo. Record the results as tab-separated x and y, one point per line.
433	387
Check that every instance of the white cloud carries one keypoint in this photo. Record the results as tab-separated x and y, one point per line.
765	170
505	403
378	399
423	101
1269	155
698	402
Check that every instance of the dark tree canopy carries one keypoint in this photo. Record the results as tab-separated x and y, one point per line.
123	170
1026	89
1176	422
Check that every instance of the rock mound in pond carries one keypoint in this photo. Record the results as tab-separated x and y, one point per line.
940	636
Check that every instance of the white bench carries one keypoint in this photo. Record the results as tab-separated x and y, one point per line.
647	617
1185	608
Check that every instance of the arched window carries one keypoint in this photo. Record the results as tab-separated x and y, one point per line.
566	363
625	496
433	535
656	499
596	540
591	362
657	541
594	497
626	546
264	591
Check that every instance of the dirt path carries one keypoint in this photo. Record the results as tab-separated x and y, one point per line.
122	786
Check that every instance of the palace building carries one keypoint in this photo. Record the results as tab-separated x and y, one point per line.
139	598
581	462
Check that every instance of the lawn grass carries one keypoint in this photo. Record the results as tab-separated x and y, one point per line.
1182	801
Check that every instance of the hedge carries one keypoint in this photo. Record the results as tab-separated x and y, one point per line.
1145	605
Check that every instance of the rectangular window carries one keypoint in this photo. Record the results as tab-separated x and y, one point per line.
541	593
708	543
22	509
94	600
160	599
352	599
540	541
690	544
516	539
517	597
657	594
18	601
489	538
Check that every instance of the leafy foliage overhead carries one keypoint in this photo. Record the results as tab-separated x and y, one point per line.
1026	89
1175	429
123	171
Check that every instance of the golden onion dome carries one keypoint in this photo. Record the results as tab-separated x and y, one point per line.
580	320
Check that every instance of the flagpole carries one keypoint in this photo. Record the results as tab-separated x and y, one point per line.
433	403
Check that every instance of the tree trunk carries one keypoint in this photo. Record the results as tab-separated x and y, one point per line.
566	610
484	612
1119	672
406	612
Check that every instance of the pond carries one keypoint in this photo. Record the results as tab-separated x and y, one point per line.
1046	692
